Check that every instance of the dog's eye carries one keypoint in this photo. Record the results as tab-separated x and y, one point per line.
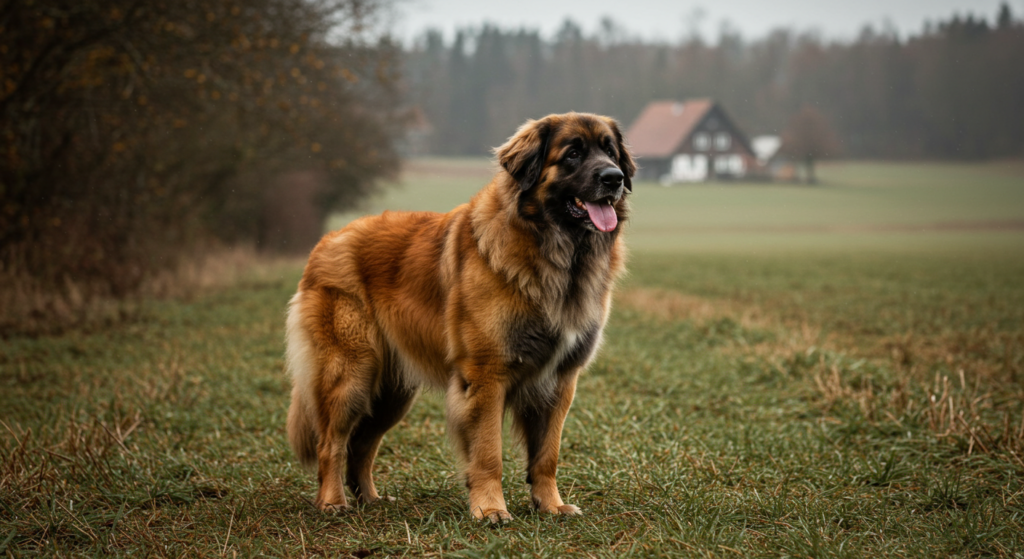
611	152
573	154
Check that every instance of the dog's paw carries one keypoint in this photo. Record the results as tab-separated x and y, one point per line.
332	508
382	500
494	515
569	510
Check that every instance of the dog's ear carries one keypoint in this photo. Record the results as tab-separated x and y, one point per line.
524	154
626	162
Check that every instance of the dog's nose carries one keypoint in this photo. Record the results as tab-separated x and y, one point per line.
611	177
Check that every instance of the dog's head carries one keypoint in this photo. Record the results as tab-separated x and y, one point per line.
572	170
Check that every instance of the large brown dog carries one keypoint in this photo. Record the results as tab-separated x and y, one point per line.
499	302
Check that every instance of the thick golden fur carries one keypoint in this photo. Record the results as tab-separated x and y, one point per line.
499	302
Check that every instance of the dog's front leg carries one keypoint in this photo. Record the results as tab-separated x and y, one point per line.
475	406
539	422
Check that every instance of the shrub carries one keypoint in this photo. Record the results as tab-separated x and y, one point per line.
133	132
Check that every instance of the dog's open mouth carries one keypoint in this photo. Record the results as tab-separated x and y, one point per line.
601	213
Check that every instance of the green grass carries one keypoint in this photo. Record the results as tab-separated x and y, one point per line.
760	393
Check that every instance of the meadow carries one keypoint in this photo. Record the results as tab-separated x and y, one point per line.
795	371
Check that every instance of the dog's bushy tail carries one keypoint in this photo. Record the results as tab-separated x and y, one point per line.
302	431
300	362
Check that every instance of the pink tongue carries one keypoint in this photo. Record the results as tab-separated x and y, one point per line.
603	216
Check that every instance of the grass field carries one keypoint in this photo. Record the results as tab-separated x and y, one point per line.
788	371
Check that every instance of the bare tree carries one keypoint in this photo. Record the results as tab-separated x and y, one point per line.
809	137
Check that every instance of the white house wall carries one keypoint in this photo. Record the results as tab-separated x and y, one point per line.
688	168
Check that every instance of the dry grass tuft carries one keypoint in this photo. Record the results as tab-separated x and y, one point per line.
968	414
671	305
218	268
28	307
956	410
976	407
970	382
898	379
834	391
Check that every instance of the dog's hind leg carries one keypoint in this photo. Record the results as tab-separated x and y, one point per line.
390	404
349	367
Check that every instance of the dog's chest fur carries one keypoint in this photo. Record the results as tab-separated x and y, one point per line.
536	348
565	330
562	280
540	355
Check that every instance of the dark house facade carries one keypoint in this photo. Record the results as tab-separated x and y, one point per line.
689	141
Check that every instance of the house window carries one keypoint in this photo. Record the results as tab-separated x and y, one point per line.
736	165
722	165
701	141
722	141
681	167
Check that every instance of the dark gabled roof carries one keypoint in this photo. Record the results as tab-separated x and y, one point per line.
663	125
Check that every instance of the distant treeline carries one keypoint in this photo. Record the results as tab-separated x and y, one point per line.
955	90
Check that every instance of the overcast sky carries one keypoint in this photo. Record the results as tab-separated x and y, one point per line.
667	20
